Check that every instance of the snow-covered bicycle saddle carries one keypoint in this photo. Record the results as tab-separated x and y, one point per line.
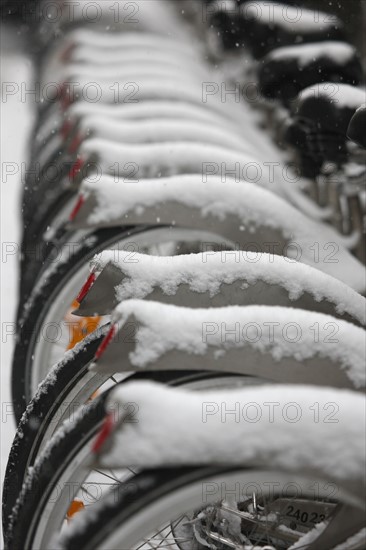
321	115
285	71
262	26
356	128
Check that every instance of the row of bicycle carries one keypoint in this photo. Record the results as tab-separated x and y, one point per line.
191	320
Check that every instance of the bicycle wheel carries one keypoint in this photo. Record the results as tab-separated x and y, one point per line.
192	509
44	332
63	471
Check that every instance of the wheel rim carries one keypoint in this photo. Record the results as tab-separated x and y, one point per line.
152	527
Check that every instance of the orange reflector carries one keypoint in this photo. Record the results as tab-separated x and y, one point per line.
104	433
75	507
94	395
80	327
106	341
86	287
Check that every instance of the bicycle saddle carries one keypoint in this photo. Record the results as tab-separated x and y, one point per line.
263	26
318	129
284	72
356	129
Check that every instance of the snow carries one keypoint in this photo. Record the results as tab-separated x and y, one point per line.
131	69
175	427
15	126
155	16
110	91
175	55
340	52
353	541
140	111
206	272
182	157
253	206
291	18
51	377
334	450
97	39
280	331
344	95
149	109
158	130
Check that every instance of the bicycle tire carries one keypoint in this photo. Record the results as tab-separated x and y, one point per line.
42	478
47	405
123	505
90	245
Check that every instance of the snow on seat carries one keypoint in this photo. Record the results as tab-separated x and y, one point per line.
267	25
340	53
271	343
174	427
330	105
244	214
302	65
341	95
215	279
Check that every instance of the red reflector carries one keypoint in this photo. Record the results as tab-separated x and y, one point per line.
104	433
76	168
66	128
86	287
74	146
66	54
77	207
105	343
65	96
